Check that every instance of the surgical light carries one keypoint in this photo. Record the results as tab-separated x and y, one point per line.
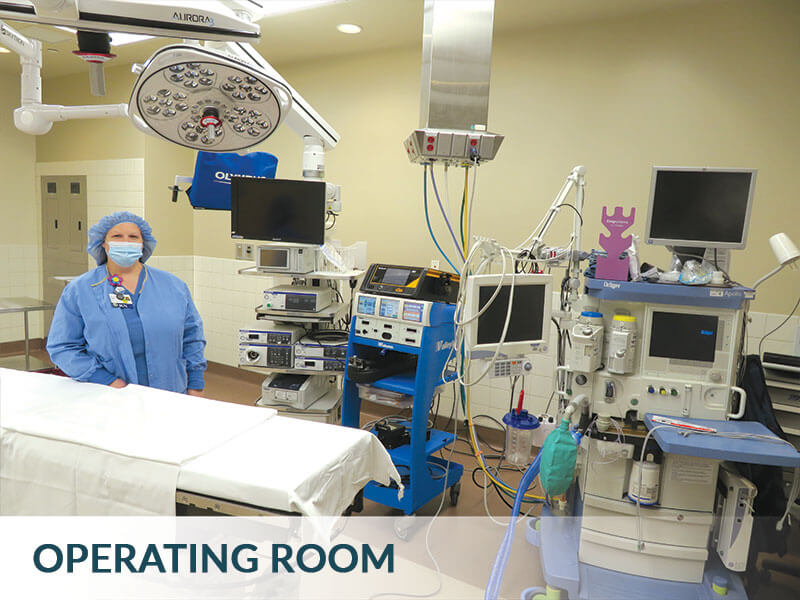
206	100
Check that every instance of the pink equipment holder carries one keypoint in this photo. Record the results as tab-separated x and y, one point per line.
615	265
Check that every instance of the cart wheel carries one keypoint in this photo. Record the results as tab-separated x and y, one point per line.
455	490
403	526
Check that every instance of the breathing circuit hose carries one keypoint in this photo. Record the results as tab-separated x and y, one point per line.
500	562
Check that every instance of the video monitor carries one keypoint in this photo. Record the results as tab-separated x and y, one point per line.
700	207
278	210
529	323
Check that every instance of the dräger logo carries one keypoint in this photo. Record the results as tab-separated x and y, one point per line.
193	18
440	345
608	284
223	177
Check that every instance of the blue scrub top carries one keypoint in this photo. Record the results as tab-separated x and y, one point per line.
91	340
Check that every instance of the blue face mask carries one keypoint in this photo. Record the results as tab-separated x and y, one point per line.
124	254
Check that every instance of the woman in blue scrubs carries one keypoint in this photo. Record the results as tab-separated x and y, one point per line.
124	322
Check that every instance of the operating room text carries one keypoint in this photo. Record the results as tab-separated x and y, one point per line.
204	558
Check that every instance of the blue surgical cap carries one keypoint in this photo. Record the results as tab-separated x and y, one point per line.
99	231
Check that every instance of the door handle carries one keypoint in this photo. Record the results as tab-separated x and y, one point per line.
56	223
79	225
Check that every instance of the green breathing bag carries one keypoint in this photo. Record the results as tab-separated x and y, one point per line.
557	464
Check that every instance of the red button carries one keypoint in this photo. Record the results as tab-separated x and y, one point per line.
430	147
473	142
431	139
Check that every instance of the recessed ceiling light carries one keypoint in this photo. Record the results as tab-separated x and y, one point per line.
349	28
4	50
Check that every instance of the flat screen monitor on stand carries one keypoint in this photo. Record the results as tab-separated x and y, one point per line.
700	211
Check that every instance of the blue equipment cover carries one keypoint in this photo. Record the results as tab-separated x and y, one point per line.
211	186
667	293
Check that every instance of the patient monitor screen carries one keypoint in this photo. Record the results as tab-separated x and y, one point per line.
526	313
684	336
700	206
278	210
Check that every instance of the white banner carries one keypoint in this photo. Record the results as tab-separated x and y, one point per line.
238	557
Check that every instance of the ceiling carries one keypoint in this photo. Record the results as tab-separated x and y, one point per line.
311	33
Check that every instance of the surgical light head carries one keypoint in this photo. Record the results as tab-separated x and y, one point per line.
206	100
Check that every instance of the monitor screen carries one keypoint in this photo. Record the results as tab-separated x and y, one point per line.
278	210
389	308
684	336
526	313
700	207
366	305
269	257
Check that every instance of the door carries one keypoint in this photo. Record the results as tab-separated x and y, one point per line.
64	236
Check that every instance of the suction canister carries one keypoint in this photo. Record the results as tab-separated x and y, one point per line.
520	427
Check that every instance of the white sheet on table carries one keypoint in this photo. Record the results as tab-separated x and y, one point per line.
292	465
99	450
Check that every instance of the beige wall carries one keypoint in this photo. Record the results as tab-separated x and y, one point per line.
20	215
714	86
171	222
91	139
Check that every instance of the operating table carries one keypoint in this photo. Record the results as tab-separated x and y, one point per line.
69	448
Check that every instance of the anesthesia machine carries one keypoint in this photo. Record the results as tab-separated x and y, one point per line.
641	490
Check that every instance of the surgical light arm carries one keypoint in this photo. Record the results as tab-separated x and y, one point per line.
32	116
317	133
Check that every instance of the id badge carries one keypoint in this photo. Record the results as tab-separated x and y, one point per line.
124	302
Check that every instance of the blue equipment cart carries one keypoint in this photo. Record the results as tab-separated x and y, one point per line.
425	473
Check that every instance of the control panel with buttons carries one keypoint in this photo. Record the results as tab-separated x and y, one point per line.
268	344
512	367
390	319
451	147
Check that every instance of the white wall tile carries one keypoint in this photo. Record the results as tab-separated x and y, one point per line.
757	324
786	333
